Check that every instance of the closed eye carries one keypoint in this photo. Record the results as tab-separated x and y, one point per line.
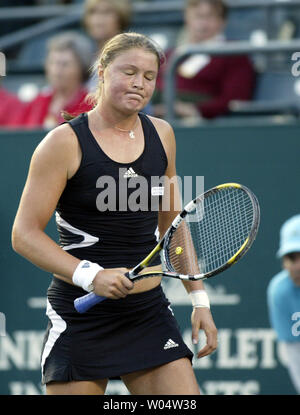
129	73
150	77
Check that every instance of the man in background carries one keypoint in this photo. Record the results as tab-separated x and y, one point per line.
283	296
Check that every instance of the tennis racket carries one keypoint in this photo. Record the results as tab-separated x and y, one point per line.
211	234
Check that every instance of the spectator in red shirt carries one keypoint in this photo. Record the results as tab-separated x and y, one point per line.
11	109
205	85
67	64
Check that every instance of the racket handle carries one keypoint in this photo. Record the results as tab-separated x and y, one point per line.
84	303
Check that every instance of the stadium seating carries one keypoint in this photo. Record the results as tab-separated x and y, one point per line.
275	91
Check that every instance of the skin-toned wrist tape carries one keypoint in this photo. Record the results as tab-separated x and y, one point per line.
199	298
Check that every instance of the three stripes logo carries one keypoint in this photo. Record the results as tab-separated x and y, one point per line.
130	173
170	343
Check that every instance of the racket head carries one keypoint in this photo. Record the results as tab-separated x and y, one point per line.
213	231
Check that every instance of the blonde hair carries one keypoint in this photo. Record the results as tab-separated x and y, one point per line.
122	8
121	43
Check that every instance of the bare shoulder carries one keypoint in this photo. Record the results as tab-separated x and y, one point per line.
59	150
161	125
166	133
61	138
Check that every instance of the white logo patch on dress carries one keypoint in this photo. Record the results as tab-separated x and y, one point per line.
157	191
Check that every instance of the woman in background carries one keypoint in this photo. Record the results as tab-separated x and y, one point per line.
206	84
103	19
67	64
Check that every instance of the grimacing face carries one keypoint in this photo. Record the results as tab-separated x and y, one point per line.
129	80
291	262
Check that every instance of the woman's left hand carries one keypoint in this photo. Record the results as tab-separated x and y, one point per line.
202	320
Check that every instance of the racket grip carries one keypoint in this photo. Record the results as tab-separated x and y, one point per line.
84	303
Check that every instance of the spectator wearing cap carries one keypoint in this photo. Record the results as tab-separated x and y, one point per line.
68	60
283	296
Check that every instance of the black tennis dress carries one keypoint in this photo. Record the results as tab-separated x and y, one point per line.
104	216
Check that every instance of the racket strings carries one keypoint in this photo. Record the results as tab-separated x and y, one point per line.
232	214
231	211
182	252
213	233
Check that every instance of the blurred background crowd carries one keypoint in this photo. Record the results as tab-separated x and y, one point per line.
50	47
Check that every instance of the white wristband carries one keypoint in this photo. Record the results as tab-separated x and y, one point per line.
85	273
199	298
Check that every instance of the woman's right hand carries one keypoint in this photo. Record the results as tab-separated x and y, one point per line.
112	283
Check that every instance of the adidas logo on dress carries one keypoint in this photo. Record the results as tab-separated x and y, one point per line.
170	343
130	173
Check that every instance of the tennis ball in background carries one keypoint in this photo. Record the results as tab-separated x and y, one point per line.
178	250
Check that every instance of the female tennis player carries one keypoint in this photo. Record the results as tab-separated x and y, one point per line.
133	334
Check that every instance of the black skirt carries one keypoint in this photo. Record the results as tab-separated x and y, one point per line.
111	339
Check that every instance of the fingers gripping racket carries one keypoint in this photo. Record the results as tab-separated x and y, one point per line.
211	233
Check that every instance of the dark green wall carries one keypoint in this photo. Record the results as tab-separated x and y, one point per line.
248	360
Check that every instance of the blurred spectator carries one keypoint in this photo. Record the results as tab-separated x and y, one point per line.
205	85
283	295
67	63
102	20
11	109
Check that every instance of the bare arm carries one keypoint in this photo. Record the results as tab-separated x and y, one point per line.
48	173
172	197
54	161
201	317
